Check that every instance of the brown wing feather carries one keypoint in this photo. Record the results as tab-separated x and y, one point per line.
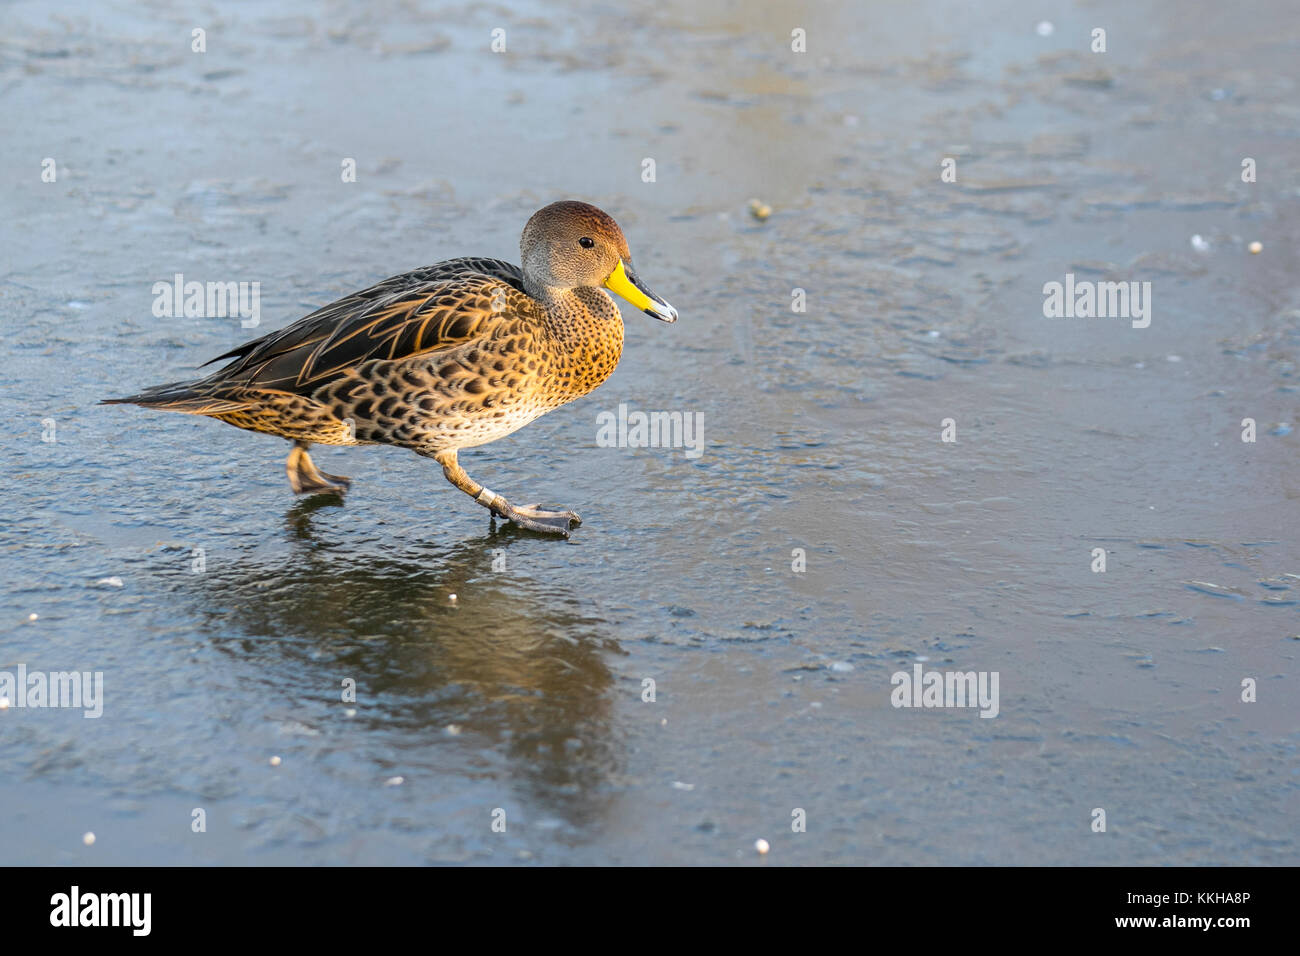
430	309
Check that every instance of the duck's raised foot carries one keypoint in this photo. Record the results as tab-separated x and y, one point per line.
306	479
537	518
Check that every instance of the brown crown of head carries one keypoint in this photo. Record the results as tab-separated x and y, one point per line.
570	244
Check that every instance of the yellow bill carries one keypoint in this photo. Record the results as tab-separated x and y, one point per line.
624	282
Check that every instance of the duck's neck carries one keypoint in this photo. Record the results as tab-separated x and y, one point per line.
588	327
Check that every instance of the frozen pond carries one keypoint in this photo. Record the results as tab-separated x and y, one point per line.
167	553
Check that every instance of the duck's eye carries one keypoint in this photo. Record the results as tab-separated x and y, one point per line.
586	243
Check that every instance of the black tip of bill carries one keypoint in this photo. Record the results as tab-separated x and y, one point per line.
661	311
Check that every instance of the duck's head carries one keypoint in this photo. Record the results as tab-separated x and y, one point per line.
573	245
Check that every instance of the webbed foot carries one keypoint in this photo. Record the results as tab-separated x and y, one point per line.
537	518
306	479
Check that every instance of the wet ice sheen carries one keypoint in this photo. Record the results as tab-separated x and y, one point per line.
525	692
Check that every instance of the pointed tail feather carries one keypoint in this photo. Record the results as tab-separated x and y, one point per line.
180	397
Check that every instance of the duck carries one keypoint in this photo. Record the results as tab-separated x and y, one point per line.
439	359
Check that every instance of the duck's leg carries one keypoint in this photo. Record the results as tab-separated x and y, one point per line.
306	478
532	517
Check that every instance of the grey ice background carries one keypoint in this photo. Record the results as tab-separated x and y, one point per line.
1118	690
